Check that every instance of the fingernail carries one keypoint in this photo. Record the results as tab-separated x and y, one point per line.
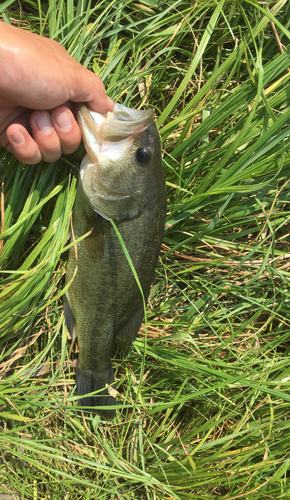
63	120
18	137
44	124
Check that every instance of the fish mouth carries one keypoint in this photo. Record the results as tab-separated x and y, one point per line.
112	133
114	126
126	120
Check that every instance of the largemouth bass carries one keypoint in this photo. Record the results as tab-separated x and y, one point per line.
121	178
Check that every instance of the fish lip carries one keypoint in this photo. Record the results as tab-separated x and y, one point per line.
114	126
121	115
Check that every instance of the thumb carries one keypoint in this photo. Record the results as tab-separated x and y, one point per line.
87	87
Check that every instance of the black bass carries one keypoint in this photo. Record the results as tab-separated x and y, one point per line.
121	179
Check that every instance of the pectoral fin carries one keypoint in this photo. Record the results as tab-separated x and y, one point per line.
94	243
69	319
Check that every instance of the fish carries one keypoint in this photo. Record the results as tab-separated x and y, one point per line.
121	179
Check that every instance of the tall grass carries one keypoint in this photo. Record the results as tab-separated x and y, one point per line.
210	417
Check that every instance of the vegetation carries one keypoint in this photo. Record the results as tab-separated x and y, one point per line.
203	394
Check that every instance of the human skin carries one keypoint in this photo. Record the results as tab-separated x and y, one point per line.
39	84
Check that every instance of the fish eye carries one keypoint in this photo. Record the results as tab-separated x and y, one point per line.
143	155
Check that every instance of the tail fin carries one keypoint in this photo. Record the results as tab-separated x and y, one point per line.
88	381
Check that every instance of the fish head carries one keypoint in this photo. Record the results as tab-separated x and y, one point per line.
122	149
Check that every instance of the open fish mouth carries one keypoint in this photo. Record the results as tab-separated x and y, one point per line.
125	118
114	126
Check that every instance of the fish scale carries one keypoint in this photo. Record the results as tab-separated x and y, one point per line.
104	306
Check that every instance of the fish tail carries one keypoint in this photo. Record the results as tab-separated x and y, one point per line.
90	381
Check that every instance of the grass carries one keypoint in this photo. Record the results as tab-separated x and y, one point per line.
210	417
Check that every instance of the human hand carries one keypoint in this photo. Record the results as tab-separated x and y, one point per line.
39	82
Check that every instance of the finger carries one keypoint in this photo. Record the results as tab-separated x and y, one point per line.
45	136
87	87
22	145
9	116
67	129
100	102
